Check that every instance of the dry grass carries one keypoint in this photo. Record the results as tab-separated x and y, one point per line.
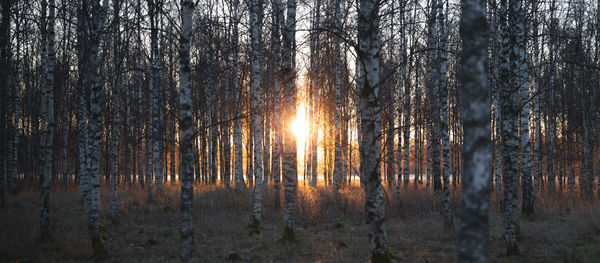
329	229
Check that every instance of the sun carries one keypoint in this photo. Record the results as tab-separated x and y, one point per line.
300	128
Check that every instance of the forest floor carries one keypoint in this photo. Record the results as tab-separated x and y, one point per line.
328	230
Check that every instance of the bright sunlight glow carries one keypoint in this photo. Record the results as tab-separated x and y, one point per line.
300	128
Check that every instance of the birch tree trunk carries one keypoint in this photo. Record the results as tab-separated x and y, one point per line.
256	117
433	99
521	80
509	110
237	128
537	160
404	126
94	140
116	99
156	170
83	83
368	39
187	133
290	166
474	229
337	163
5	50
443	92
12	85
407	122
148	144
550	124
277	122
47	116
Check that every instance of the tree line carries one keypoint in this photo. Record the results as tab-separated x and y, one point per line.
397	94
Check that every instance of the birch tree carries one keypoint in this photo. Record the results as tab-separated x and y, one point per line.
187	133
433	97
370	129
474	229
521	80
278	24
443	92
154	119
94	139
509	100
290	173
237	126
47	116
337	163
83	82
5	49
256	16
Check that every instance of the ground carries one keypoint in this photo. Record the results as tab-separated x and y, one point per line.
328	230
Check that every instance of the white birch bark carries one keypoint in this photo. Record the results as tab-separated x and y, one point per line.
537	160
5	50
521	80
368	39
257	110
277	122
401	110
148	145
289	161
443	92
406	114
187	134
116	99
509	101
433	98
47	116
337	164
94	140
474	229
237	128
82	124
156	170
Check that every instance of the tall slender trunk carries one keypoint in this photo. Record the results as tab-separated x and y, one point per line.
47	117
5	118
521	80
550	124
337	163
403	107
443	92
257	110
94	140
290	166
537	160
154	119
509	109
187	133
474	229
368	38
277	128
433	98
116	99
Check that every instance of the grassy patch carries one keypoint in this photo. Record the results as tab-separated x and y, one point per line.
149	232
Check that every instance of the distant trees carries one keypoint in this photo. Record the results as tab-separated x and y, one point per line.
97	91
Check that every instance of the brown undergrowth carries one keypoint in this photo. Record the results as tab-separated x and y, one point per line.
329	228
